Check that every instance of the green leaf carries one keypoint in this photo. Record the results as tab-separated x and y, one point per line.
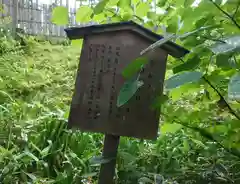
31	176
84	14
87	175
32	156
112	2
46	150
98	160
170	128
128	89
234	87
126	16
161	3
158	43
232	44
100	7
145	180
99	18
183	78
134	67
158	101
124	4
188	65
60	15
225	61
142	9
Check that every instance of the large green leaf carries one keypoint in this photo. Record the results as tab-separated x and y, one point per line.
232	44
100	7
60	15
124	4
84	14
183	78
134	67
234	87
128	89
188	65
142	9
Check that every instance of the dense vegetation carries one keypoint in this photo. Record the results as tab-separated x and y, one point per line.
199	138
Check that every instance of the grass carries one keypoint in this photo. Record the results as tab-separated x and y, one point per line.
36	86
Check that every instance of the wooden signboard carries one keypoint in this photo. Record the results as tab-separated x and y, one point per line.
107	50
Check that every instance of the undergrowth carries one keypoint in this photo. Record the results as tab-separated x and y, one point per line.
37	80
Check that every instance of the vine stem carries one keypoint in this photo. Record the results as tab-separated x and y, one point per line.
225	13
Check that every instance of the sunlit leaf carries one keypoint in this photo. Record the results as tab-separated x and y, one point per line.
100	7
128	89
124	4
99	18
234	87
112	2
60	15
84	14
142	9
133	67
170	128
161	3
183	78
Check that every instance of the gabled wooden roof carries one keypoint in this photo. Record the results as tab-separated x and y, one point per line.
79	32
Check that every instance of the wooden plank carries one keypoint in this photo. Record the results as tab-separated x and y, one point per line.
14	12
45	23
31	17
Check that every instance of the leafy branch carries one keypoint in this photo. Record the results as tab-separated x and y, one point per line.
205	134
225	13
220	95
221	98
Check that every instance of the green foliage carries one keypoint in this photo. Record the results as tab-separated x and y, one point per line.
199	135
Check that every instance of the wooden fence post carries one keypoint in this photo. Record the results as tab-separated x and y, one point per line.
14	17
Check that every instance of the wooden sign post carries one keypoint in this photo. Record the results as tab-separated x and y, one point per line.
107	50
